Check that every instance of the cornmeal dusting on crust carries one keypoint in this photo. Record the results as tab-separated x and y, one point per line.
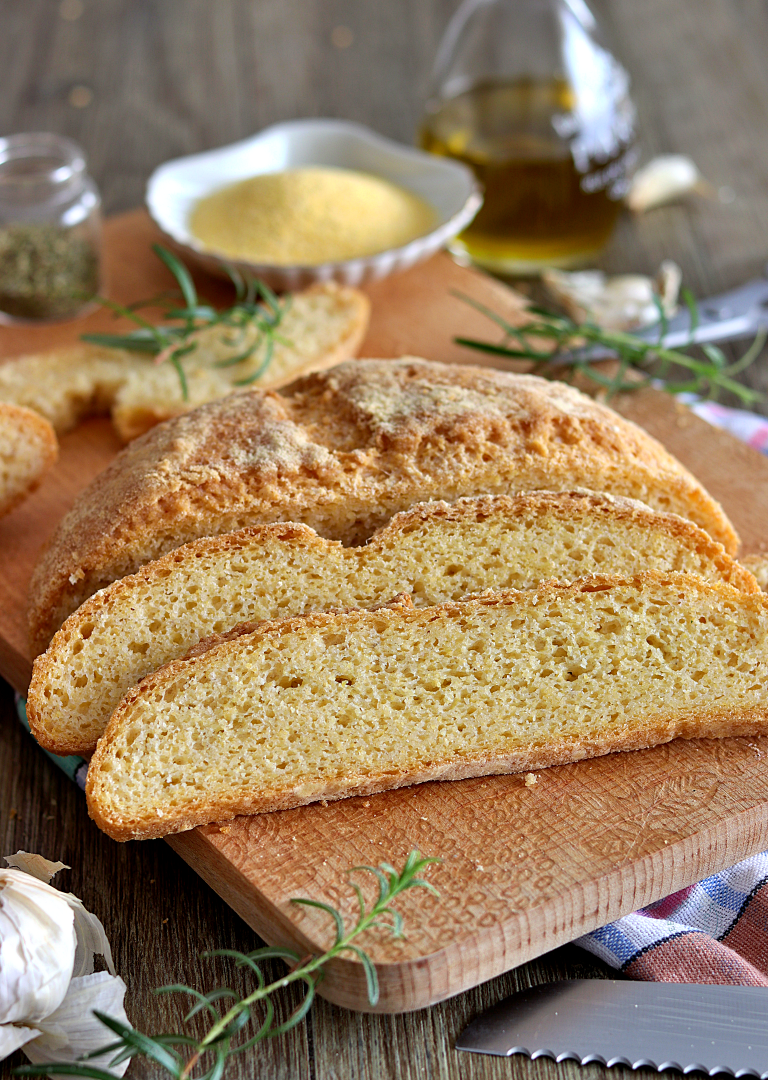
342	451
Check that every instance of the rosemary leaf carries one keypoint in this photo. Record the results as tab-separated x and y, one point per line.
570	345
218	1043
256	306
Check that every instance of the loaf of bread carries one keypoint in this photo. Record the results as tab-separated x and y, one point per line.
322	326
28	448
434	552
325	706
343	451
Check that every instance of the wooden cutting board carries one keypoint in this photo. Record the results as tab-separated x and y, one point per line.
524	868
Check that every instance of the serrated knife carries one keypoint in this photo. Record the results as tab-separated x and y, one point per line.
640	1024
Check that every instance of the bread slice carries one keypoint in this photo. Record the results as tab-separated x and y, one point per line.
69	384
434	552
329	705
343	451
28	448
322	326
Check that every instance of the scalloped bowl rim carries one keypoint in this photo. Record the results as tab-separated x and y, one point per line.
175	186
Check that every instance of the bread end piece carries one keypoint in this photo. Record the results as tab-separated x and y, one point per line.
28	449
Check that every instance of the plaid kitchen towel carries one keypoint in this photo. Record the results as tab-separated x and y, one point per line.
713	932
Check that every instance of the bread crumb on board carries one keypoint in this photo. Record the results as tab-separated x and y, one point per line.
531	779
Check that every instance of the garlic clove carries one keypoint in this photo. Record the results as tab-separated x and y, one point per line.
72	1030
623	302
12	1036
37	947
661	181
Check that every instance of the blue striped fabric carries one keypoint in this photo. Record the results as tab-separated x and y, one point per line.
711	908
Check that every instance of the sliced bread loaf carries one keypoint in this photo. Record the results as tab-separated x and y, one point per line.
329	705
343	451
28	448
322	326
433	552
69	384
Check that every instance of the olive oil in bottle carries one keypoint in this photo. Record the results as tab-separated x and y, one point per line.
550	198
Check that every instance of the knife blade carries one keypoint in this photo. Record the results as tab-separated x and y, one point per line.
640	1024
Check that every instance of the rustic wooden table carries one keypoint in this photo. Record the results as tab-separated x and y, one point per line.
136	84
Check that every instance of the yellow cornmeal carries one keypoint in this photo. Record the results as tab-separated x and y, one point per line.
309	216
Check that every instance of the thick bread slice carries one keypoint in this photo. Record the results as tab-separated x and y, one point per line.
28	448
329	705
322	326
67	385
434	552
343	451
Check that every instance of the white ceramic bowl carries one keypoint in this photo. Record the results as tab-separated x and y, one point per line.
449	187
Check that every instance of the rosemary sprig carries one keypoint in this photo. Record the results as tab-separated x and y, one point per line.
218	1041
256	306
557	344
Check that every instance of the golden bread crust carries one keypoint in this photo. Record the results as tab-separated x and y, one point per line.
343	451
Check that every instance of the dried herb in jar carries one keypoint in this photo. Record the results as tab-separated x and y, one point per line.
46	271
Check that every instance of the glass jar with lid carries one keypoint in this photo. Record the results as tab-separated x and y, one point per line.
527	93
50	229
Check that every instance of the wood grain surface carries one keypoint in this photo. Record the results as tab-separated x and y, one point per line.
167	77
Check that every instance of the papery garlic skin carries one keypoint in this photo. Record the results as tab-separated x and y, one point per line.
90	935
661	181
37	948
12	1036
72	1030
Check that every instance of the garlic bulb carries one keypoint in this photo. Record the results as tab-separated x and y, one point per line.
623	302
37	947
661	181
48	990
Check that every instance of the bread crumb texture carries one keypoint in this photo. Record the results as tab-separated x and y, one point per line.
343	451
329	705
434	552
28	448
